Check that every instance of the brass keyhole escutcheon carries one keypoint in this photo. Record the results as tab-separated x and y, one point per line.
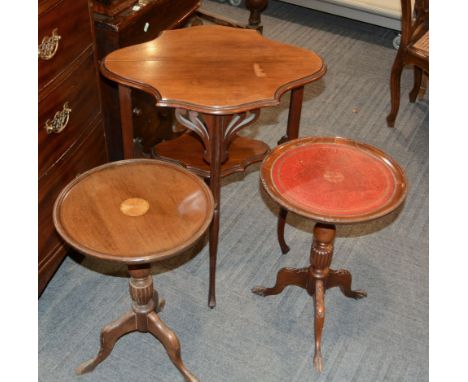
134	207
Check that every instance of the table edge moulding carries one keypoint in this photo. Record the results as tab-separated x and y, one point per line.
130	259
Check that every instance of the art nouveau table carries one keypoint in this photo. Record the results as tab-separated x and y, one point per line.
217	78
331	181
135	212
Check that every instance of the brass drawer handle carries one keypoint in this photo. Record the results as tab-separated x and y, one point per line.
49	45
60	120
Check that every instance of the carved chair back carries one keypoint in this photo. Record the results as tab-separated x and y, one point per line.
414	20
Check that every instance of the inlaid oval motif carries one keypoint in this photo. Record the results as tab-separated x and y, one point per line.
134	207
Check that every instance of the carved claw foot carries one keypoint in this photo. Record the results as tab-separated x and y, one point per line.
342	278
357	294
259	291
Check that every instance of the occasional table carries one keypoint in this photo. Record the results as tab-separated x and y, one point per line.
136	212
217	78
331	181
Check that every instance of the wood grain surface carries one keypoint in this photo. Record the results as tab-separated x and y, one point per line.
213	69
88	213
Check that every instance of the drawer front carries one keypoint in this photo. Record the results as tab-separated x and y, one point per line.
89	153
165	14
67	30
70	106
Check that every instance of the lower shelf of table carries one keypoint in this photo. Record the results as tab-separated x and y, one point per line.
187	150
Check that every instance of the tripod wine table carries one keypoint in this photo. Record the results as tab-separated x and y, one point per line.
217	78
136	212
331	181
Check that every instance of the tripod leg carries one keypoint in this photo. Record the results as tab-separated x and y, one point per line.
342	279
318	323
170	342
285	277
109	336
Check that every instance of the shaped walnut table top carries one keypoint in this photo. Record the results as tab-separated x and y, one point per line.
213	69
217	78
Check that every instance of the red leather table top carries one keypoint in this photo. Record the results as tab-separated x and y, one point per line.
335	180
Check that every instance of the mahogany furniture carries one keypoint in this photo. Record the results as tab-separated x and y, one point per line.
413	50
71	132
111	7
133	25
111	212
217	78
331	181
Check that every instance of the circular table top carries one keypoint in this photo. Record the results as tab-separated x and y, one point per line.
333	180
213	69
134	211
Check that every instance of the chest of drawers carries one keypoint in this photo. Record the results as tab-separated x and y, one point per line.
70	123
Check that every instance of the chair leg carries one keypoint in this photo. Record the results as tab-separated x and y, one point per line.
395	78
417	84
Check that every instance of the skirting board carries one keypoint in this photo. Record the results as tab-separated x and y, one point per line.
385	13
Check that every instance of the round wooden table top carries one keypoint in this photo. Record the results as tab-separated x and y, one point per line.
333	180
213	69
134	211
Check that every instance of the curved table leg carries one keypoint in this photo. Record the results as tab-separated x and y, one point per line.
170	342
280	230
342	278
318	323
292	132
215	129
109	336
284	278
